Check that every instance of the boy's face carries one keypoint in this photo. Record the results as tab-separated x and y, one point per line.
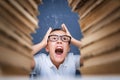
57	49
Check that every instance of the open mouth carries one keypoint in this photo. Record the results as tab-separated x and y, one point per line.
58	50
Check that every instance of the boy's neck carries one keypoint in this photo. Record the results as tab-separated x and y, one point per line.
57	64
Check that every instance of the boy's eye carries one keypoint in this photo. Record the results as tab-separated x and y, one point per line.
64	38
54	38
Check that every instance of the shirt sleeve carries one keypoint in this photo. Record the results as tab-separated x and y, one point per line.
38	60
77	61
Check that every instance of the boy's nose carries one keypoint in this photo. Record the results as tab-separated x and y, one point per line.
59	41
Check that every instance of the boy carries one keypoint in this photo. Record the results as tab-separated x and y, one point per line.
58	62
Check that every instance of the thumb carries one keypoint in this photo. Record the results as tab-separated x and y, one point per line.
49	30
63	27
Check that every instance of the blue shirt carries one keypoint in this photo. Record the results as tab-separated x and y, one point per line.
45	68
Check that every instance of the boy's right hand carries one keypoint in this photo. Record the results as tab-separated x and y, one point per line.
44	41
42	44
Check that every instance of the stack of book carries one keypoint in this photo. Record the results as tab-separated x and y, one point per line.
100	24
18	19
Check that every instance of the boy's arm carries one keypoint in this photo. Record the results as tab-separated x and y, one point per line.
76	42
42	44
73	41
39	46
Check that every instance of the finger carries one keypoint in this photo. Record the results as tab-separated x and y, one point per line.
64	27
49	30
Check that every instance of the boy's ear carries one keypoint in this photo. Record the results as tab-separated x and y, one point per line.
46	48
69	49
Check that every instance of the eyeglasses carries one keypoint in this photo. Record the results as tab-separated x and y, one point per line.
64	38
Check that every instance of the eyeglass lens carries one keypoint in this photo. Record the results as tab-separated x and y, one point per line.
64	38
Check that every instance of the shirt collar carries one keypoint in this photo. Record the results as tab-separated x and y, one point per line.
64	64
50	62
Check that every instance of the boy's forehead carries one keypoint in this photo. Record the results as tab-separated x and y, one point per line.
58	32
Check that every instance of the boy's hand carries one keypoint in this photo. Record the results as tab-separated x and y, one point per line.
65	29
73	40
44	41
42	44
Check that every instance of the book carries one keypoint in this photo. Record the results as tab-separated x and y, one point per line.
18	19
97	14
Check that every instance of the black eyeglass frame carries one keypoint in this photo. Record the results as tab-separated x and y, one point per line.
59	36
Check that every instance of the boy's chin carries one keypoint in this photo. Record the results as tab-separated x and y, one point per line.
59	60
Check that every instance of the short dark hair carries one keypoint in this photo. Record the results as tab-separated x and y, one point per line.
57	29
